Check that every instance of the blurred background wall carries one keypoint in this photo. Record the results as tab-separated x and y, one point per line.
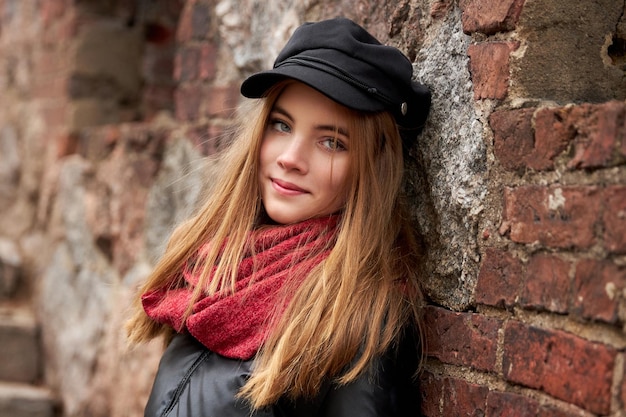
518	186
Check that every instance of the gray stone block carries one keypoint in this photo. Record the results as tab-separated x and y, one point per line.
19	347
18	400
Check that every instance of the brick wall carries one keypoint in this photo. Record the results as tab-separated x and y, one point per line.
544	335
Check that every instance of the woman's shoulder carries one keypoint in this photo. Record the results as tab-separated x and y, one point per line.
387	388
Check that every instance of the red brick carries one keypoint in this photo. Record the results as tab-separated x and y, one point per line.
51	10
184	29
69	28
462	338
158	64
188	99
614	219
558	217
208	59
50	74
622	148
499	279
567	367
51	61
221	101
187	64
518	146
622	388
553	133
200	21
50	87
489	66
155	99
490	16
594	129
547	284
440	8
446	397
600	128
461	398
552	411
431	389
506	404
598	285
55	115
513	137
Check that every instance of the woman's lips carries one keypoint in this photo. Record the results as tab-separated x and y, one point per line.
287	188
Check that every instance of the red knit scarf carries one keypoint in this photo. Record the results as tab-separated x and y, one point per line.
236	325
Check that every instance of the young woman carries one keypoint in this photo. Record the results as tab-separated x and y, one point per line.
293	291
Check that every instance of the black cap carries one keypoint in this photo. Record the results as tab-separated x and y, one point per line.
343	61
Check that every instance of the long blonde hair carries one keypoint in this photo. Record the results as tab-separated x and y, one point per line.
350	308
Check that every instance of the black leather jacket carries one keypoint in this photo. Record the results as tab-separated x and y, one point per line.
195	382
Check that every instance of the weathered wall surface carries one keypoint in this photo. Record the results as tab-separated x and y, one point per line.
518	184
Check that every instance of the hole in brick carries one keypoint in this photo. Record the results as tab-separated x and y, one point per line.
617	52
105	245
559	215
157	33
536	217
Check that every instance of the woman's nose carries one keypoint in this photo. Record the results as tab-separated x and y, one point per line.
294	156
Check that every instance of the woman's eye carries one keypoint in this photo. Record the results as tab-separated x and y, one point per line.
333	144
280	126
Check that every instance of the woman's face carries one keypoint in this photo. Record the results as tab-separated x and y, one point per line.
304	158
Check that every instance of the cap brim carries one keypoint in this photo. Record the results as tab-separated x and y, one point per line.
257	85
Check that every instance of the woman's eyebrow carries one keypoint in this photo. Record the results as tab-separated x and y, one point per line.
278	109
333	128
322	127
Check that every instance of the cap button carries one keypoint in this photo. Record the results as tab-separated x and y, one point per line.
403	108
